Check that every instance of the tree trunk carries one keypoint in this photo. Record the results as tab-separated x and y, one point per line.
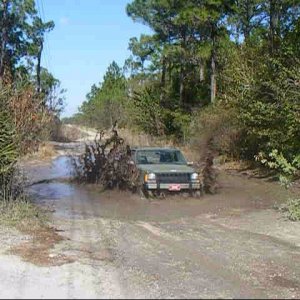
163	73
182	69
247	25
201	71
274	24
4	38
163	79
181	84
213	85
38	68
110	114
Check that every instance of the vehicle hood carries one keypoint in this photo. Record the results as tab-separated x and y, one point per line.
166	168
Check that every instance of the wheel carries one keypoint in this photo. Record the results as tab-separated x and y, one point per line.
196	194
160	195
185	194
145	194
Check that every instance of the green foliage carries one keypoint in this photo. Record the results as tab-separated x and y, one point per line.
146	112
105	103
276	161
13	213
291	209
21	43
269	109
51	92
264	90
29	98
185	37
181	122
22	32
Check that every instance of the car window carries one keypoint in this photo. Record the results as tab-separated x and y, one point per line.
160	157
147	157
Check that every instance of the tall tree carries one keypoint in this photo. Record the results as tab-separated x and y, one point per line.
36	33
249	15
104	104
22	33
182	27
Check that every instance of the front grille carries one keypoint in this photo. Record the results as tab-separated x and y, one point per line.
173	177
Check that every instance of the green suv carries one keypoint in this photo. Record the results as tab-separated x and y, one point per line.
165	169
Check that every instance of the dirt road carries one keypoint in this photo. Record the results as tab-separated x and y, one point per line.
230	245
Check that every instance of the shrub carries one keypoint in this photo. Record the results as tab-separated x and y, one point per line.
264	92
8	145
291	209
216	125
30	116
287	170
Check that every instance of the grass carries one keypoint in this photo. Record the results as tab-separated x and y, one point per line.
45	152
21	214
16	209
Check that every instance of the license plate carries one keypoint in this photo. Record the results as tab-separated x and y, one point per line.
175	187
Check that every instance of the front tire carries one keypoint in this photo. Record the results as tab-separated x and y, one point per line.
196	194
145	194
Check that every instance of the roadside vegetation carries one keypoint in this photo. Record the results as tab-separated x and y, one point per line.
30	103
219	74
291	209
21	214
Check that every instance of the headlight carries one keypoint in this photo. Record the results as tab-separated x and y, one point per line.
150	176
195	176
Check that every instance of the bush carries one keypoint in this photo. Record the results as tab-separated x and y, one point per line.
8	145
287	170
264	92
31	117
15	207
291	209
216	125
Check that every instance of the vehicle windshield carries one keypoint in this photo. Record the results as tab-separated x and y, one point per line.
163	156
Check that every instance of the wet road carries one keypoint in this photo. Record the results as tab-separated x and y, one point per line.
230	245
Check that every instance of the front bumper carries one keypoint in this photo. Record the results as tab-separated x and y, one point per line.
166	186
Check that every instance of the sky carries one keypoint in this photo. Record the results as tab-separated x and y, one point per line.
88	36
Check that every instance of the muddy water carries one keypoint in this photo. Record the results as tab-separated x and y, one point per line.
237	194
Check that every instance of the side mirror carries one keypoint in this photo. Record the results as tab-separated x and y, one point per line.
190	163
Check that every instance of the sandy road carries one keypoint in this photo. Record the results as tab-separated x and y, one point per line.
231	245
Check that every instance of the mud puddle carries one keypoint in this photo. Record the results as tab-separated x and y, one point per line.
236	195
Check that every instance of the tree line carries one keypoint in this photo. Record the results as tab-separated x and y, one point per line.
226	69
30	96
